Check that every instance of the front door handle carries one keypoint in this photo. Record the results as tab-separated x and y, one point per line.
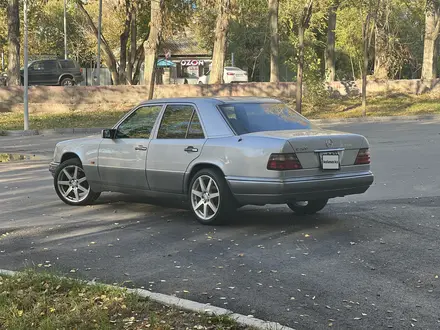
140	148
191	149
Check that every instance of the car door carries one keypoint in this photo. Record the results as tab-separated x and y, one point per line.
35	76
122	160
50	73
179	141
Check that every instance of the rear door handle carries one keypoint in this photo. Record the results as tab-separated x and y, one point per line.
191	149
140	148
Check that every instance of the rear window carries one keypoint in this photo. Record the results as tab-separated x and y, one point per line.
67	64
259	117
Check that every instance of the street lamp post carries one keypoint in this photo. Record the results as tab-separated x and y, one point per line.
65	30
26	87
98	60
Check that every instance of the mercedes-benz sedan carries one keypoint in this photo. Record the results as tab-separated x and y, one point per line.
216	153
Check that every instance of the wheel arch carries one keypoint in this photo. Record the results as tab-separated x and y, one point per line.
197	167
65	75
69	155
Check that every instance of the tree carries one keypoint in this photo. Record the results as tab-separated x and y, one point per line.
304	23
368	10
330	58
221	32
430	49
13	43
152	44
274	41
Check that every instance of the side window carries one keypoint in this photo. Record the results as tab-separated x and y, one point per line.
140	124
195	130
50	65
37	66
175	121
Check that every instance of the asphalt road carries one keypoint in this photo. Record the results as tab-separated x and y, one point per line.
366	262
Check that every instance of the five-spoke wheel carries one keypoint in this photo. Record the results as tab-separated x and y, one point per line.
71	184
210	197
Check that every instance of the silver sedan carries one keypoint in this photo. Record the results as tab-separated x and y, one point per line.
216	153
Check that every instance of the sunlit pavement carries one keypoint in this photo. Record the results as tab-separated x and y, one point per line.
368	261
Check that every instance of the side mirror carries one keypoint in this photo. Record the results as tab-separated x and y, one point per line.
109	133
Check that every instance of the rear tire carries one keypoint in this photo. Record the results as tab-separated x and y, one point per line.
71	184
67	82
210	198
307	207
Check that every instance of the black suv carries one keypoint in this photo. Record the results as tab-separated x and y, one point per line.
53	73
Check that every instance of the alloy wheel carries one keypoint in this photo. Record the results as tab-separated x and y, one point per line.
205	197
72	183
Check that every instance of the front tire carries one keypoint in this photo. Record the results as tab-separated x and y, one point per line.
210	198
307	207
71	184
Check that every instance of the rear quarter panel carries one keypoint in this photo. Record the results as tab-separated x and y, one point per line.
244	157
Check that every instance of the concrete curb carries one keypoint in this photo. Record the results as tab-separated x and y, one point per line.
55	131
190	306
97	130
375	119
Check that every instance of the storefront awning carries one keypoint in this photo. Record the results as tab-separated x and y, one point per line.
162	63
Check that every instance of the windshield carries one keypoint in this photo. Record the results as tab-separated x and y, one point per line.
259	117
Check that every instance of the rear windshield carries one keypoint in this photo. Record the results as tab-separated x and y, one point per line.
259	117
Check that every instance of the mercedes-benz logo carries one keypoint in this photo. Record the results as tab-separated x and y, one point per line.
329	143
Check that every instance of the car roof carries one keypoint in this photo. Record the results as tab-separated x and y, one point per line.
214	100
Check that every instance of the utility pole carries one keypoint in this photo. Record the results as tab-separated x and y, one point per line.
65	30
98	60
26	87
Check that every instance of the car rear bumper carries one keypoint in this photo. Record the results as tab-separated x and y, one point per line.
261	192
53	167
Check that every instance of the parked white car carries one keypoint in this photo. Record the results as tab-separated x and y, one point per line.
231	74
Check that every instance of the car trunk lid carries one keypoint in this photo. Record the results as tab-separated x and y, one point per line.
311	144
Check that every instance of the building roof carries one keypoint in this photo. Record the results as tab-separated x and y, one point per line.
183	44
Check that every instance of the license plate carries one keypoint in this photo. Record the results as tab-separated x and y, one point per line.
330	162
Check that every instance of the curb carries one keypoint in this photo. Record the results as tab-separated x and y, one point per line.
384	119
190	305
96	130
55	131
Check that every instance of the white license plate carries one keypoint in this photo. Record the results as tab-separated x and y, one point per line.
330	162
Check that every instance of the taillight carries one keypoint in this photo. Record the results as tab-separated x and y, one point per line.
283	162
363	157
230	74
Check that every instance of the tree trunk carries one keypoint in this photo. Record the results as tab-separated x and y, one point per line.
13	43
221	32
299	76
110	58
430	51
133	41
124	41
274	41
382	59
152	45
302	26
365	41
330	68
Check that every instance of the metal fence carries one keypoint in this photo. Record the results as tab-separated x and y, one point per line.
89	74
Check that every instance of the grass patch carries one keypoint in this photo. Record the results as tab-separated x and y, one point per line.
342	107
33	300
106	118
378	106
